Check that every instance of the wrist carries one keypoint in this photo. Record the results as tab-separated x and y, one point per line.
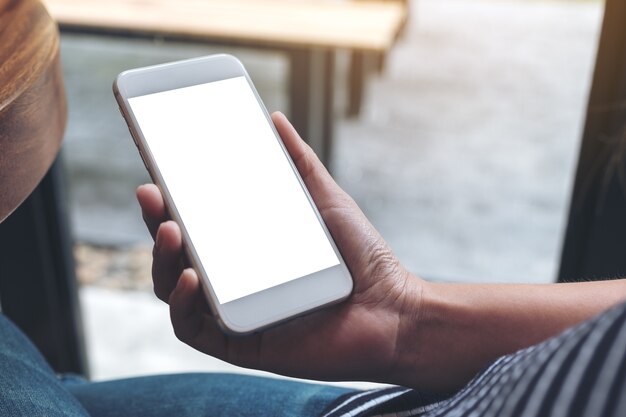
441	343
412	306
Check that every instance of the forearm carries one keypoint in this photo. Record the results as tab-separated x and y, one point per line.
458	329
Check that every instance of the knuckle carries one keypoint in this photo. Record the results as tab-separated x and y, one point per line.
383	262
305	163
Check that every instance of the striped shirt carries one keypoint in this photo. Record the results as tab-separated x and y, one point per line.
578	373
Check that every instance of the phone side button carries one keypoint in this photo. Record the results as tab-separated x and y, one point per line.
143	159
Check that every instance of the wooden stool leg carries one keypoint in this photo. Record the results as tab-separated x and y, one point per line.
312	98
39	291
362	65
356	83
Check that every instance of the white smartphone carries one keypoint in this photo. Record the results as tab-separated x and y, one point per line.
250	228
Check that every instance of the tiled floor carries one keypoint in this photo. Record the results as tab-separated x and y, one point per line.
463	156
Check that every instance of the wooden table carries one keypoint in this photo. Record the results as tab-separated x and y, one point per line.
309	31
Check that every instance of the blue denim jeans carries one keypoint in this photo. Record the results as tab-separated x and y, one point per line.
29	387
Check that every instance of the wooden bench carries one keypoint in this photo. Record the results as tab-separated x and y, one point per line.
308	31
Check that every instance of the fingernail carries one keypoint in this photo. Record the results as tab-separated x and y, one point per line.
191	272
182	283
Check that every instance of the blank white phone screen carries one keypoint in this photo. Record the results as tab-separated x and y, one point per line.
244	210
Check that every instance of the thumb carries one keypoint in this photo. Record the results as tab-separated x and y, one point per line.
323	188
354	235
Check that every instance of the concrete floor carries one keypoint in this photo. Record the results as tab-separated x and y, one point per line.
463	156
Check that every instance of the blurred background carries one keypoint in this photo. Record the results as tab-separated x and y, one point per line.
463	157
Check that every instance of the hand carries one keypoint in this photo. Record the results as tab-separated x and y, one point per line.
354	340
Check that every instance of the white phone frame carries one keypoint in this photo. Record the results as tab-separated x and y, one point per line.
273	305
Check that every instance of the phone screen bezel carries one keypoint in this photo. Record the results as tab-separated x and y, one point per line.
272	305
